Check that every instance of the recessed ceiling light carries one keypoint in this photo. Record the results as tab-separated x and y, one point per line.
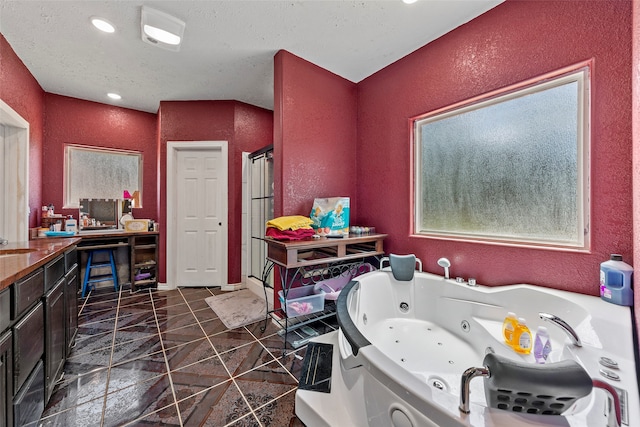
114	96
103	25
409	1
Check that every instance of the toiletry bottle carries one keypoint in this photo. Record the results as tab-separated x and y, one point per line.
522	337
509	328
542	345
615	281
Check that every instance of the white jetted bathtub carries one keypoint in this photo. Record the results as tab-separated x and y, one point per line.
403	346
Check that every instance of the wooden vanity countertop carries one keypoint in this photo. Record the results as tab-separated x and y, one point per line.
41	251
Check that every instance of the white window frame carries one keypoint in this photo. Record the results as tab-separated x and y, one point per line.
118	187
579	73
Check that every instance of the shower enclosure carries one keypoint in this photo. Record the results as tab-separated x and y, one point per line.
261	196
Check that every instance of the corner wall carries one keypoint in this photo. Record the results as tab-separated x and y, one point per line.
245	127
75	121
314	135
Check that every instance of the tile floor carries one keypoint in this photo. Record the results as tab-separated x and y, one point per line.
164	358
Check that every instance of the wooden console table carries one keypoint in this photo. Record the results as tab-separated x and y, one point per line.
142	248
308	261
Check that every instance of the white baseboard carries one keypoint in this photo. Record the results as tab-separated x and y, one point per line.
256	287
166	287
232	287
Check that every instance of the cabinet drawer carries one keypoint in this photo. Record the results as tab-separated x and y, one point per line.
70	259
53	272
5	309
27	291
28	344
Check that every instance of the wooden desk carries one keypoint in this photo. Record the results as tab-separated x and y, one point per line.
141	249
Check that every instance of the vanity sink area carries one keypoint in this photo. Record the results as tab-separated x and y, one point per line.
7	252
17	259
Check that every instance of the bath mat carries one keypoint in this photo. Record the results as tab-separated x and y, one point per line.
238	308
316	368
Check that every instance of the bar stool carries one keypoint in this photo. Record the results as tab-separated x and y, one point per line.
91	264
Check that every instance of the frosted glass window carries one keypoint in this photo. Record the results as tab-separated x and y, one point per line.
511	169
95	173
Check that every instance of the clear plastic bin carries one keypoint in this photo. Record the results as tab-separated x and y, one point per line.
301	301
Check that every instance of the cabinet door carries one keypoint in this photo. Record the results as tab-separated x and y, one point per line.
28	344
71	307
55	351
28	403
6	380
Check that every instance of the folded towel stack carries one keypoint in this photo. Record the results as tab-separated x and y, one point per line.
293	227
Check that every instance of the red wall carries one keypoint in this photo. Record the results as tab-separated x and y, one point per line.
20	90
314	135
513	42
636	150
244	127
74	121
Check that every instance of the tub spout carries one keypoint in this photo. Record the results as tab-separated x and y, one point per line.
445	263
575	339
467	376
3	241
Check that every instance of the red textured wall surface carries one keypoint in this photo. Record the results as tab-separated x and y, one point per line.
314	137
636	150
20	90
244	127
74	121
515	41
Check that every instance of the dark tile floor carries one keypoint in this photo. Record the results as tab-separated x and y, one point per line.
164	358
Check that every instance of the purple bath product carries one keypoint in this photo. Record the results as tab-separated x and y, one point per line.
542	345
615	281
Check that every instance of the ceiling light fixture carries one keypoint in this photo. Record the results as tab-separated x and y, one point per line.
161	29
103	25
409	1
114	96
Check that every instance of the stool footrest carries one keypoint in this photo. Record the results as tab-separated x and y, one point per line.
100	265
100	278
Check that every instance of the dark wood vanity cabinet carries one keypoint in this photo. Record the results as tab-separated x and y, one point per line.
28	372
6	379
36	337
55	329
72	282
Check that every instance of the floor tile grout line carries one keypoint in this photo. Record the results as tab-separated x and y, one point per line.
285	354
166	362
113	341
224	364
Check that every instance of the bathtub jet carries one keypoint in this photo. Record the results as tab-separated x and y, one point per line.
402	348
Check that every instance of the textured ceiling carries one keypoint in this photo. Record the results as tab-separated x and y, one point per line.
228	46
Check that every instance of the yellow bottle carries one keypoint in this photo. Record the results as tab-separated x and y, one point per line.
509	328
522	337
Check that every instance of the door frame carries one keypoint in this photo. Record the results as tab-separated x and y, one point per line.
15	167
173	147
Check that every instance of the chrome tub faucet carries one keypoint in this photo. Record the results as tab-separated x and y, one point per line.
552	318
3	241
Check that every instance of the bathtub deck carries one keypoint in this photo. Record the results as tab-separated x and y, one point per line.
320	409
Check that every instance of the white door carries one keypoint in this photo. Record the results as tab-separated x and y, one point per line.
200	205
